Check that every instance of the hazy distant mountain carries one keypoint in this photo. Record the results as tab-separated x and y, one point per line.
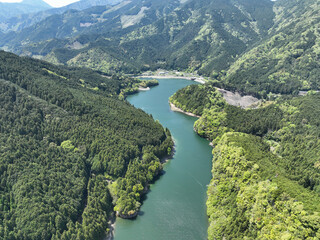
199	35
95	20
9	10
22	20
83	4
254	46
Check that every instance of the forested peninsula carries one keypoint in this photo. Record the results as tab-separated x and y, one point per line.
72	151
265	164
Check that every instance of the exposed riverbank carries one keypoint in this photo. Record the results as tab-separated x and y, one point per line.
196	79
111	227
176	109
144	89
232	98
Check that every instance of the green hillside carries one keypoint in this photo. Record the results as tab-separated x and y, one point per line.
250	196
73	151
287	61
65	138
265	168
254	47
94	20
204	36
14	9
22	21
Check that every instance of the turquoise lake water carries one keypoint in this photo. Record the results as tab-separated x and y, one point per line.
175	207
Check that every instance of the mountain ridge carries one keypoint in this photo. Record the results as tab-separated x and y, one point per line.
286	61
8	10
22	21
185	38
254	47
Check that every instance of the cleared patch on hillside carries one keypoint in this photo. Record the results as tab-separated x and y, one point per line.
236	99
130	20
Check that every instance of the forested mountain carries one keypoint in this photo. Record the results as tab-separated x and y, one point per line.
9	10
255	47
288	60
204	36
21	21
65	140
92	21
265	165
72	150
265	161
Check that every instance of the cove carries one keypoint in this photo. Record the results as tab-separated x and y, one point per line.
175	207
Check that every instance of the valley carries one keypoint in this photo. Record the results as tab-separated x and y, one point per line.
177	200
83	138
264	176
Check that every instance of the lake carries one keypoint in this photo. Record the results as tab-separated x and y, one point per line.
175	207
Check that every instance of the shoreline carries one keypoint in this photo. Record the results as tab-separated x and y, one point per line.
143	89
113	217
111	226
197	79
232	98
176	109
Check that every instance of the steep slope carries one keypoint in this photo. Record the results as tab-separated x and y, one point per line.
265	165
64	136
249	197
286	62
204	36
21	21
92	21
9	10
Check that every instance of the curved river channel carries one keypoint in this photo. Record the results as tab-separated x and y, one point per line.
175	207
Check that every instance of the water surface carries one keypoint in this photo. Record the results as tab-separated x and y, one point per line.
174	208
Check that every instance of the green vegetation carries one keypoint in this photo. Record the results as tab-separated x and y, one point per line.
219	117
62	143
201	36
72	149
132	86
127	191
265	168
254	47
193	98
247	197
287	61
149	83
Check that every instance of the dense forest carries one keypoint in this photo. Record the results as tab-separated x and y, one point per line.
71	151
251	197
287	60
255	47
205	36
265	167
